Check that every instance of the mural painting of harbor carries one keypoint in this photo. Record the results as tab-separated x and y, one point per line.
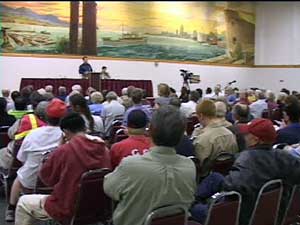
215	32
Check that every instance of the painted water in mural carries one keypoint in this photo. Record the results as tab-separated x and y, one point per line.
217	32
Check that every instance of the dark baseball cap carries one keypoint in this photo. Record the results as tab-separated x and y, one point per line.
137	119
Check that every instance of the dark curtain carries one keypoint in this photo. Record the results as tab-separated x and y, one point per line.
111	85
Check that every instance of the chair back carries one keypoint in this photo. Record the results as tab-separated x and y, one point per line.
198	167
226	211
4	138
12	170
223	163
277	114
168	215
191	122
292	213
266	114
113	132
279	146
40	187
92	204
151	100
267	204
120	135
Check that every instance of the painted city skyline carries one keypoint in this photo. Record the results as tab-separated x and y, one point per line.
203	27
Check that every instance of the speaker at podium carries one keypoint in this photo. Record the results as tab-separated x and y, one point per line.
94	80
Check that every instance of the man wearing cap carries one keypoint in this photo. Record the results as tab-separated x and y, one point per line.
259	164
137	143
62	171
40	140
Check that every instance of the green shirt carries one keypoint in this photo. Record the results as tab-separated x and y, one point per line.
142	183
18	114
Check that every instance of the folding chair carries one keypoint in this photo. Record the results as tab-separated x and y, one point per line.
226	211
151	100
120	135
191	122
265	211
198	167
40	187
292	213
4	138
12	171
168	215
223	163
92	205
279	146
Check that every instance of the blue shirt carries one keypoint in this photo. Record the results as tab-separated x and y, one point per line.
85	67
295	152
289	134
96	109
145	108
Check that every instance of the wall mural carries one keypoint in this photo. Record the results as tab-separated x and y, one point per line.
214	32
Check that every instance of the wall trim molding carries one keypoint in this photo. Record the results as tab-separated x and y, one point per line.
146	60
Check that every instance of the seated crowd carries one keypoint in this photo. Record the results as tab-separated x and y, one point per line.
57	138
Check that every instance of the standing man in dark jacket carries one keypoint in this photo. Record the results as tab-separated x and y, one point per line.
85	67
63	171
259	164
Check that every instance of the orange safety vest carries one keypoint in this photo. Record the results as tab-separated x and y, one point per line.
29	122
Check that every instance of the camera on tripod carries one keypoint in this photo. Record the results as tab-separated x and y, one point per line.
186	75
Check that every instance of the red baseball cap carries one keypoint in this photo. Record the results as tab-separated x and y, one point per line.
261	128
56	108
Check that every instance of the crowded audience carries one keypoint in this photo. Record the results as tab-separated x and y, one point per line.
144	143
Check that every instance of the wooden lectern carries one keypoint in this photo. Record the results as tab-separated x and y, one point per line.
95	80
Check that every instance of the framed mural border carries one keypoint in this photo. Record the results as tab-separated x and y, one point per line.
143	60
67	56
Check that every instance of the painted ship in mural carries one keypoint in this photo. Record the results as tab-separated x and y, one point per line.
126	39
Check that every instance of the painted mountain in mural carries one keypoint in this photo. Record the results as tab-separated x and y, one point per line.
29	14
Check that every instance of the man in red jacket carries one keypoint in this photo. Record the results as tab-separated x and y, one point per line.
63	170
137	143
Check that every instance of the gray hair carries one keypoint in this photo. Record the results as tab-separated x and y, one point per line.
76	87
270	95
125	91
282	96
40	110
49	88
220	109
167	126
111	96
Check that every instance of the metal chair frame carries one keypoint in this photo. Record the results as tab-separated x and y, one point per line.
261	191
166	211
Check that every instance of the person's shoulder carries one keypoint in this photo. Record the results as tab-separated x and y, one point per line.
120	145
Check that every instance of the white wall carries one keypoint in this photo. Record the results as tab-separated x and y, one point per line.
277	33
12	69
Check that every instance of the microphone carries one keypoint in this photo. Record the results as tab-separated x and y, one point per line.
234	81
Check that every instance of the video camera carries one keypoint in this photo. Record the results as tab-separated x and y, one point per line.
186	74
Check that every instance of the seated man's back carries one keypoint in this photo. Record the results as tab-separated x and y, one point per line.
64	168
155	179
40	140
158	178
137	143
213	138
259	164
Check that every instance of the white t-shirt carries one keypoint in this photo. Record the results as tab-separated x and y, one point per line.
37	142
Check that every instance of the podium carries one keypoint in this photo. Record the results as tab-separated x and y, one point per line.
94	80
